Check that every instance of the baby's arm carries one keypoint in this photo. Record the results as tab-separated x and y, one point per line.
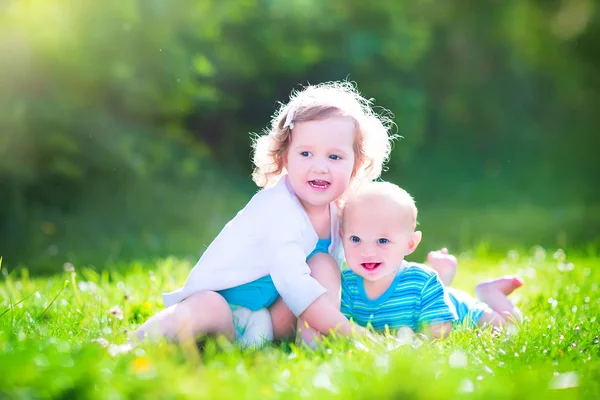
436	311
437	331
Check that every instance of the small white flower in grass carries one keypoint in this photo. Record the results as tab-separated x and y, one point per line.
382	361
117	312
361	346
559	255
418	340
101	341
322	379
539	254
512	329
241	370
87	286
563	267
564	381
405	336
458	359
68	267
513	255
529	272
466	386
116	349
587	272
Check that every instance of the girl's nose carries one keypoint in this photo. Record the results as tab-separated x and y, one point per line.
320	166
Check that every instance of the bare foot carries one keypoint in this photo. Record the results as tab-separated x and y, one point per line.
494	293
445	264
507	284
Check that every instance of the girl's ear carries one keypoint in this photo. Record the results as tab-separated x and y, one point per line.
414	242
284	160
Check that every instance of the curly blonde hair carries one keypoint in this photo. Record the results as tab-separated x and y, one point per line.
373	141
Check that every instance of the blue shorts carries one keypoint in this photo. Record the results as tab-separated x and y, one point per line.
261	293
468	309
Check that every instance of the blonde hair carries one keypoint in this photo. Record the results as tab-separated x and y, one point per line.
373	191
373	141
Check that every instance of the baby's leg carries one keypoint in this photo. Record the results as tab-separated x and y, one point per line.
203	313
327	272
490	317
284	321
494	293
444	263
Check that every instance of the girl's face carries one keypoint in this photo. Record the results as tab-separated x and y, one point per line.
320	160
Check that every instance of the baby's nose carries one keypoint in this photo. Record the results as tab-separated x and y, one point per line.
367	252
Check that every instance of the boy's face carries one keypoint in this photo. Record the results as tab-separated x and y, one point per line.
377	234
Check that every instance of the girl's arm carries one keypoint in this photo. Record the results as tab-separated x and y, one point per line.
324	317
303	295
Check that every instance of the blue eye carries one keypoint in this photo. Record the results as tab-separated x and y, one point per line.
354	239
305	154
382	241
335	157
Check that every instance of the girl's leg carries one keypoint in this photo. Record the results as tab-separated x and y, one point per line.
284	321
494	293
203	313
444	263
327	272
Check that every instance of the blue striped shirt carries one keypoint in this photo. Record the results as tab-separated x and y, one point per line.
415	298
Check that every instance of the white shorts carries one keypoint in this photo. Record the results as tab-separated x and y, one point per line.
252	328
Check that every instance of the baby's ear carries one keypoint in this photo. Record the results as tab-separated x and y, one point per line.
414	241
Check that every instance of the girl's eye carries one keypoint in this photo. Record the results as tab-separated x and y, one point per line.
382	241
305	154
354	239
335	157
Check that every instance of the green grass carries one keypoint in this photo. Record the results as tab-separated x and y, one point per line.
47	328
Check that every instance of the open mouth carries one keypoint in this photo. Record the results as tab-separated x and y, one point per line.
319	184
371	266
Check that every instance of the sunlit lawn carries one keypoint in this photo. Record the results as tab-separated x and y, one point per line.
48	328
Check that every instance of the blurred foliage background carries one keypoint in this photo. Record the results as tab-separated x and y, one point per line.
124	124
